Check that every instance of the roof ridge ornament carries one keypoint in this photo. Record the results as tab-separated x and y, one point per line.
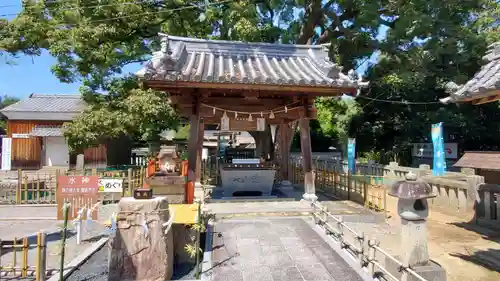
164	43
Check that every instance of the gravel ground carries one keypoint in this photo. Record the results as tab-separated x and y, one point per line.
94	269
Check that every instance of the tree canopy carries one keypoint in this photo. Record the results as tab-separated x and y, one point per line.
420	45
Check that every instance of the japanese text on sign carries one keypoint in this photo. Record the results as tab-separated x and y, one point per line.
110	185
78	184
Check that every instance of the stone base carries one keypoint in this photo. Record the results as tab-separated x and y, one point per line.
430	272
136	254
286	186
311	197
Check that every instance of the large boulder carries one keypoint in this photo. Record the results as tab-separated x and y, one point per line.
140	253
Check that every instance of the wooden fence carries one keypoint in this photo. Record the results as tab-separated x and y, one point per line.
14	258
363	189
33	187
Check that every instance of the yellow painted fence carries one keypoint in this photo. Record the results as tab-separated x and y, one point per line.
14	258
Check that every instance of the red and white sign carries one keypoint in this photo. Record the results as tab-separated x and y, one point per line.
426	150
78	184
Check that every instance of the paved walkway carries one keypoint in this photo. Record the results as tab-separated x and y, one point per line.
275	249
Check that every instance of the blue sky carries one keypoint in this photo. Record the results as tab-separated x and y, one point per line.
32	74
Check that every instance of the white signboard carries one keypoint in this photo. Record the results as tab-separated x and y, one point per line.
6	153
426	150
204	153
20	136
261	124
110	185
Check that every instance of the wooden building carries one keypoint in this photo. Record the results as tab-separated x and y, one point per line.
35	126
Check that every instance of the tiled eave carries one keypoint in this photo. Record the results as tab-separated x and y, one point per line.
212	63
46	116
484	87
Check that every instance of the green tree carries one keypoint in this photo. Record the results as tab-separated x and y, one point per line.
4	102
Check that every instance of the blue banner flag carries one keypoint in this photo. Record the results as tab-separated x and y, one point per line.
439	163
351	155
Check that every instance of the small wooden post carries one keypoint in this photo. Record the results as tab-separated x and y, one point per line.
24	265
349	185
41	257
365	194
130	185
19	186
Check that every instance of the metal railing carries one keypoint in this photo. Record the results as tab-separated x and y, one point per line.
19	266
355	244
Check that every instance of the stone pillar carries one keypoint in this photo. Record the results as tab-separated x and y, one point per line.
192	149
137	253
305	145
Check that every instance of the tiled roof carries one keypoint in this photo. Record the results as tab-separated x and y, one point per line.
487	160
46	131
215	61
484	82
48	103
40	106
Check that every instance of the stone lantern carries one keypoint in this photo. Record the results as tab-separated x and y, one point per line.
413	209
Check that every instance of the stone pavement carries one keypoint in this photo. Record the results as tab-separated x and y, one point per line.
275	249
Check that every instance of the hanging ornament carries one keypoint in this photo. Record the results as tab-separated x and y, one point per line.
214	110
271	116
250	118
235	115
224	122
261	114
286	109
273	132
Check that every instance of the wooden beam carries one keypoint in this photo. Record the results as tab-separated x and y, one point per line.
291	89
206	112
494	97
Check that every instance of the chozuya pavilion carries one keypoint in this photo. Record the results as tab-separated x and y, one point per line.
245	87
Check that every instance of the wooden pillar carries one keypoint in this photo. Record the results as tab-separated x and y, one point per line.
284	149
194	120
199	152
305	145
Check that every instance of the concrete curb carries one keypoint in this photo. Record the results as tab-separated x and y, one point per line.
27	205
80	259
29	219
207	265
263	214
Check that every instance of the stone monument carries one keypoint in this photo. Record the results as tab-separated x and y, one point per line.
142	247
413	209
